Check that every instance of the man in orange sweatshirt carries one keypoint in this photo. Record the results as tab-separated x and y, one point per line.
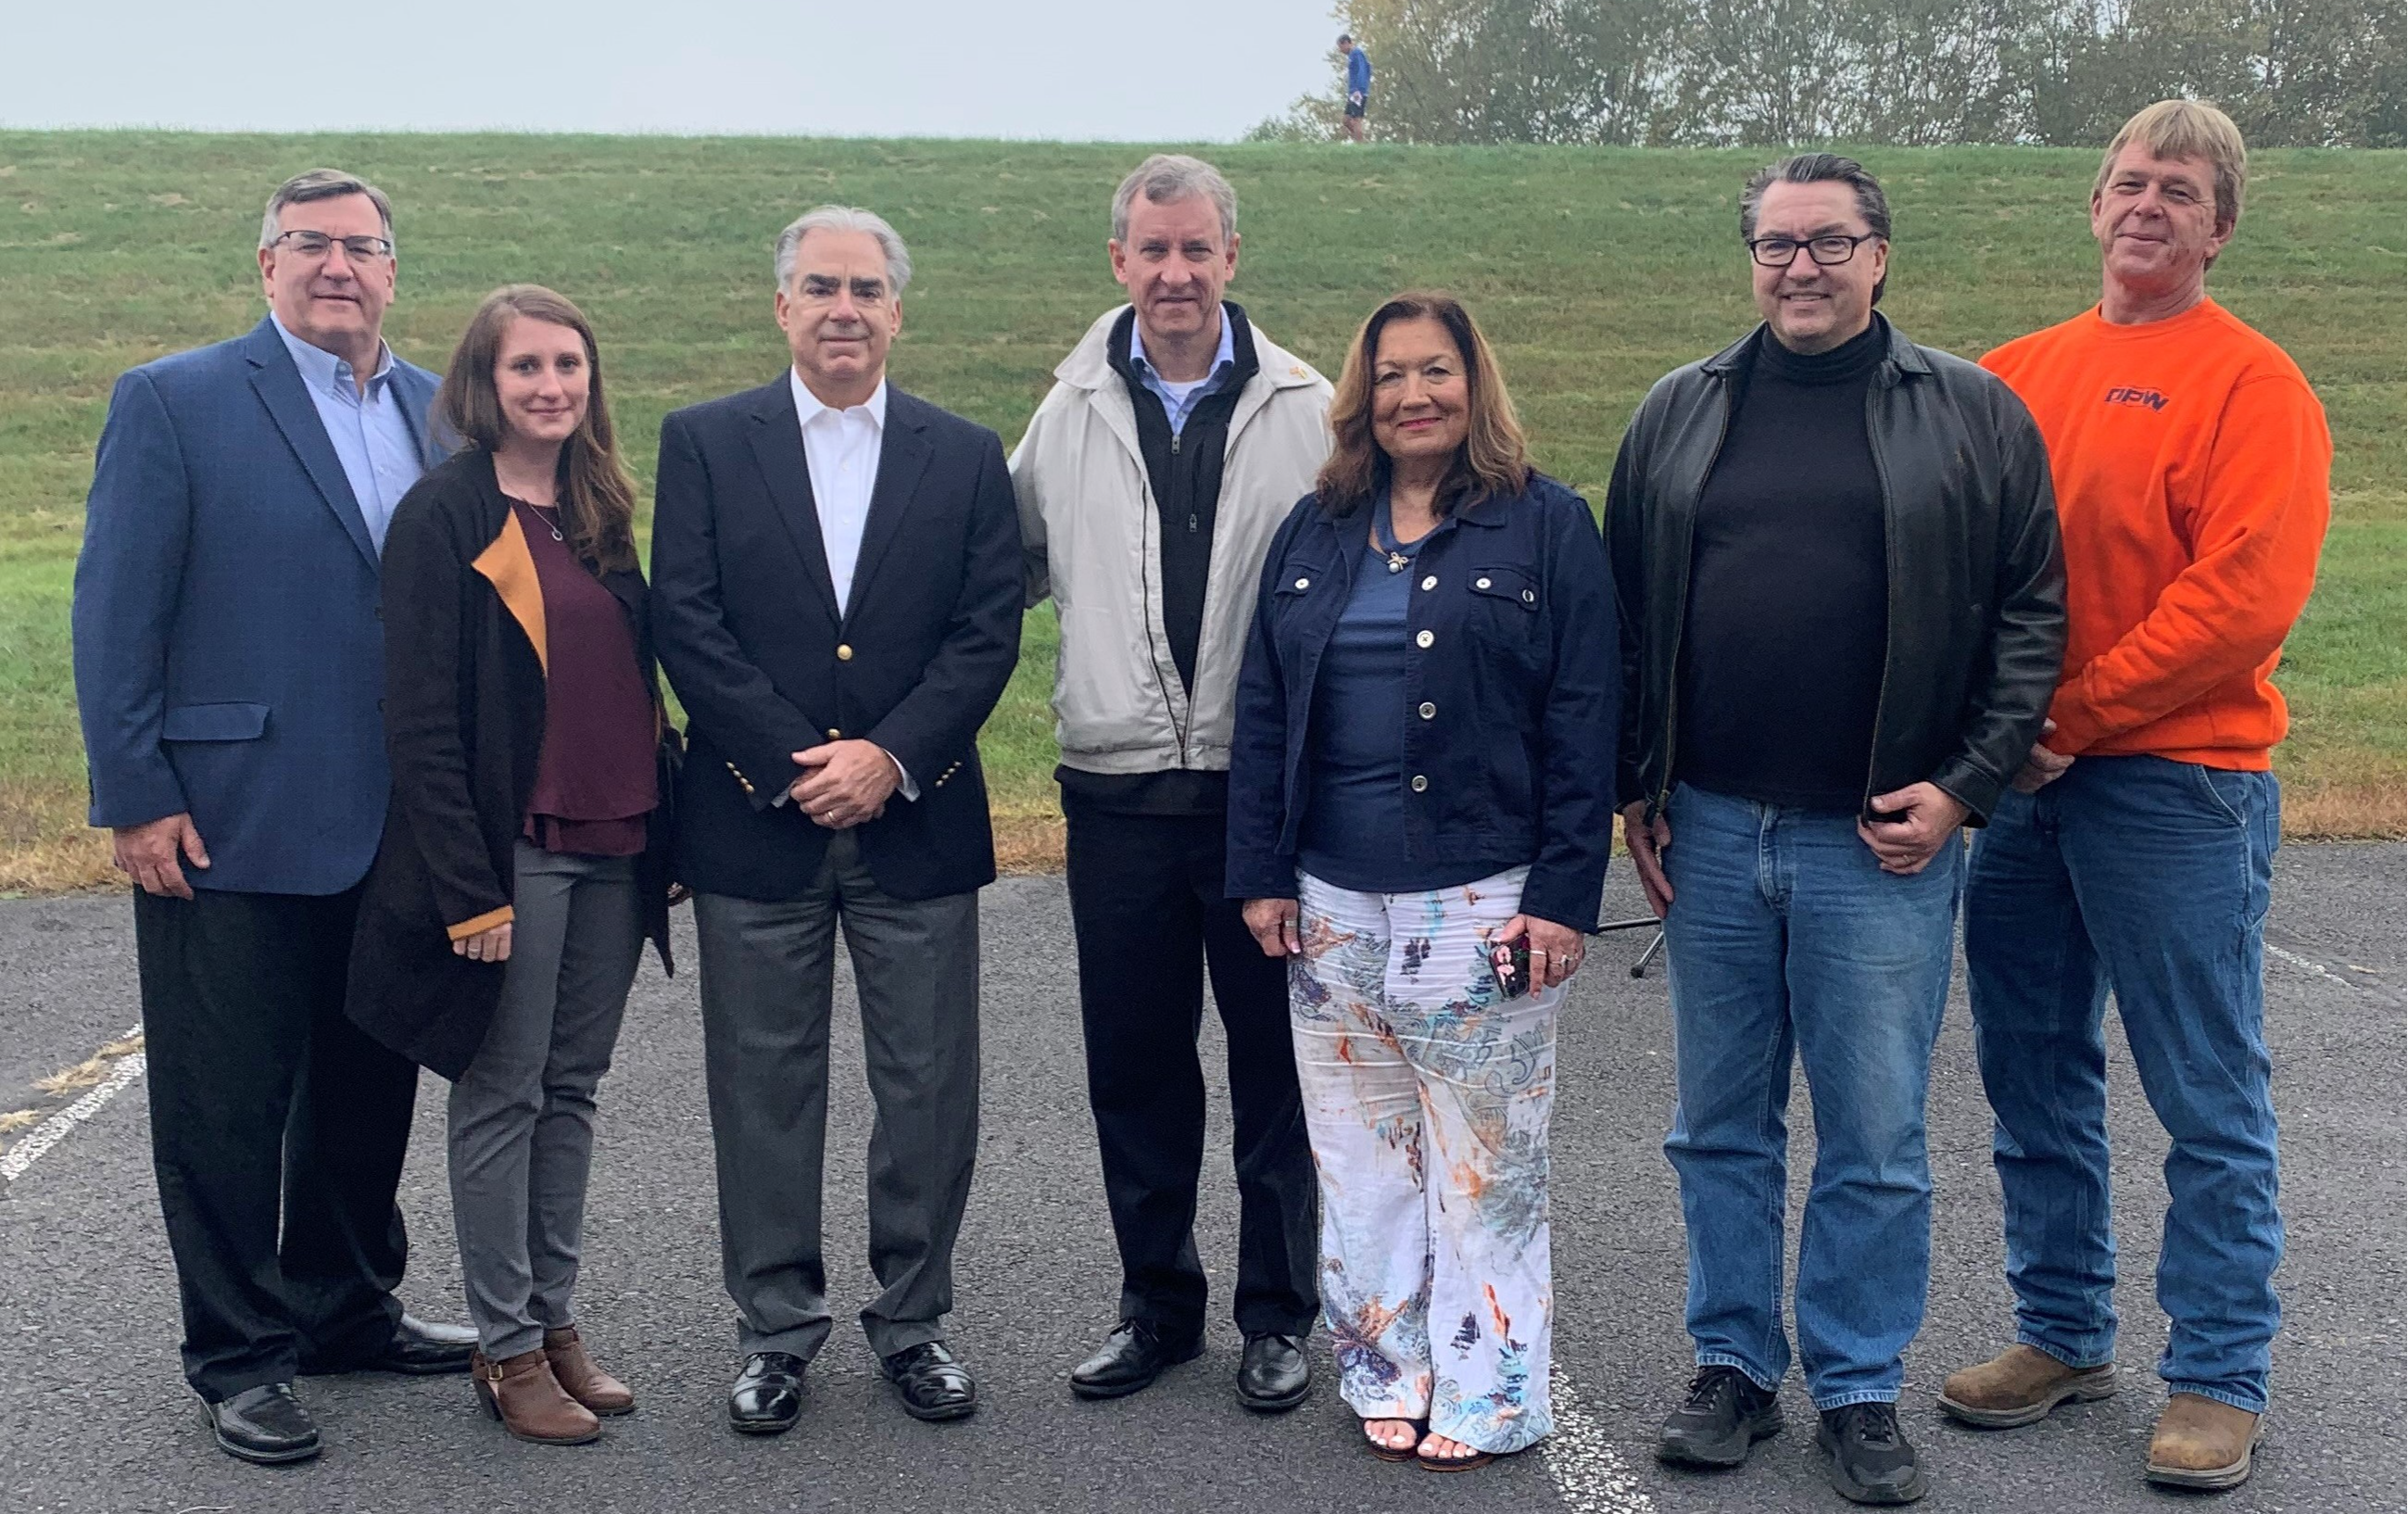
2191	462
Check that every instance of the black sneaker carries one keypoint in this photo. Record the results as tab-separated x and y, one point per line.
1871	1461
1723	1414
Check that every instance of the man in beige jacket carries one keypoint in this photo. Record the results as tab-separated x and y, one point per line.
1176	439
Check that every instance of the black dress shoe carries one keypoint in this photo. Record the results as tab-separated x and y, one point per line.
1871	1460
265	1424
934	1386
1274	1375
1130	1358
1722	1414
767	1399
420	1350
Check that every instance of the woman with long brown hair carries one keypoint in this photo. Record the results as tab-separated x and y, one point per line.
525	858
1421	791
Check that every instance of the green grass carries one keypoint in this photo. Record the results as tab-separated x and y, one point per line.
1594	271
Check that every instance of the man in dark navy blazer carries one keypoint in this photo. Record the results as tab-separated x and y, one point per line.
229	672
835	597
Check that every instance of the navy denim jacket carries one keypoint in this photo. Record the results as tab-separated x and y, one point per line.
1511	712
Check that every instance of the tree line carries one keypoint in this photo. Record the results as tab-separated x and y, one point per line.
1720	73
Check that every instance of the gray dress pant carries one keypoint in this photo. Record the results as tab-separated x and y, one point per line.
767	987
522	1116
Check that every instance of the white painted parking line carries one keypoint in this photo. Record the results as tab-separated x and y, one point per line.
1590	1475
50	1132
2310	965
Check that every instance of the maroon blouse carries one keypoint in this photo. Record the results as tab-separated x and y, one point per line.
594	782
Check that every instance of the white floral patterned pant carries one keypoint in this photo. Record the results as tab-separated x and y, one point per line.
1427	1096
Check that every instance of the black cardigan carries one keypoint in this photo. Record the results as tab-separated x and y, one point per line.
464	625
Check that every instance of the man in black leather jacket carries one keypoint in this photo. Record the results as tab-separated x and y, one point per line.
1836	554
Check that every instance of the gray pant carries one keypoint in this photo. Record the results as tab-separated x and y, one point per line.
767	985
522	1116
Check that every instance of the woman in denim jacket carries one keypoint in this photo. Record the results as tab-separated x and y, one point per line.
1423	771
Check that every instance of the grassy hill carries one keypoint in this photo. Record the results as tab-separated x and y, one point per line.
1595	271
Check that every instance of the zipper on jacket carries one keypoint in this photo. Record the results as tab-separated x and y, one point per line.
1672	689
1890	580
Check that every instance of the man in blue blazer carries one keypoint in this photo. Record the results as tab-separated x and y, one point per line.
229	671
835	597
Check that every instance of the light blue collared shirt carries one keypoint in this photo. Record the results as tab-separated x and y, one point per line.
1178	401
371	434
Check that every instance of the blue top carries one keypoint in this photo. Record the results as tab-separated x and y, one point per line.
1179	400
1506	713
1353	833
372	435
1359	71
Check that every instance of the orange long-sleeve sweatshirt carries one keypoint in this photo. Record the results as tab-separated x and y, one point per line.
2193	467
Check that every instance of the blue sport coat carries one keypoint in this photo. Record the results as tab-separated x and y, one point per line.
1510	711
228	658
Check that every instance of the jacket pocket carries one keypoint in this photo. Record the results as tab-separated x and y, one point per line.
214	722
1516	587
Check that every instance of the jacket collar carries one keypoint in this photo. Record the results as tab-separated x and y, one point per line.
1903	355
903	454
1089	366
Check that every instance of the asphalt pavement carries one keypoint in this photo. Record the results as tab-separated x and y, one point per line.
95	1416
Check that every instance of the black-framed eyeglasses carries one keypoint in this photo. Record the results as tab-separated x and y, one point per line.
1781	251
311	244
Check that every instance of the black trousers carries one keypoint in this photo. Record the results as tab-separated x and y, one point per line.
1146	903
268	1105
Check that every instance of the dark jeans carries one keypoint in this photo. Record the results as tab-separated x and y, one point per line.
2150	877
1146	903
269	1111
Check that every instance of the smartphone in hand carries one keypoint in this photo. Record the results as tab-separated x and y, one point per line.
1510	961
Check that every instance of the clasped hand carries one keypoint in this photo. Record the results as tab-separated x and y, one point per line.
844	783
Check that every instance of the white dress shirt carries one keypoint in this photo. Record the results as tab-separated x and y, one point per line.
842	448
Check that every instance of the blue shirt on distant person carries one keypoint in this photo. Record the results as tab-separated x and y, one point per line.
371	434
1178	401
1358	73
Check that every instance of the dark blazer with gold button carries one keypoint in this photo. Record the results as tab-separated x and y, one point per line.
466	653
745	615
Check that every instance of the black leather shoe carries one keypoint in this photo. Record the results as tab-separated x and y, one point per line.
767	1399
1274	1375
1871	1461
265	1424
1722	1414
420	1350
934	1386
1130	1358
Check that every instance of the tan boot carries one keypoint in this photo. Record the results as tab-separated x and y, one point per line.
2201	1443
2020	1386
520	1392
581	1379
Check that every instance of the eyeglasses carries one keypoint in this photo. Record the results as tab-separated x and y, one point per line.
1781	251
313	244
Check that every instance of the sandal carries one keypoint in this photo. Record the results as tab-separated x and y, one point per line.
1395	1453
1472	1458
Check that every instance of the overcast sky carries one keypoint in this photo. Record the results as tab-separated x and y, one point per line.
1068	69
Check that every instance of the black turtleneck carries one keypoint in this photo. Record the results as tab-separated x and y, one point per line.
1787	626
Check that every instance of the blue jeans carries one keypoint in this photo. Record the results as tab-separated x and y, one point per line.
1785	934
2151	878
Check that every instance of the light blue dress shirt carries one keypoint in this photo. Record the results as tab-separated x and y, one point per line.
371	434
1178	401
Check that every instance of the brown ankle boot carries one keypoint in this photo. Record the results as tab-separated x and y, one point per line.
581	1379
2201	1443
2020	1387
520	1392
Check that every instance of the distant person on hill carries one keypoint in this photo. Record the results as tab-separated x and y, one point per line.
230	671
1358	85
2135	853
525	858
836	597
1842	616
1176	437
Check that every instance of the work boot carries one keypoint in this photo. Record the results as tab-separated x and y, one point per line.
2201	1443
2020	1386
581	1379
520	1392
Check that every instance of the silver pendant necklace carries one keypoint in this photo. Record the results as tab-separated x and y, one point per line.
1383	536
550	515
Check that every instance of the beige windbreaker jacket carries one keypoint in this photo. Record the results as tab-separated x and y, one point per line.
1091	535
